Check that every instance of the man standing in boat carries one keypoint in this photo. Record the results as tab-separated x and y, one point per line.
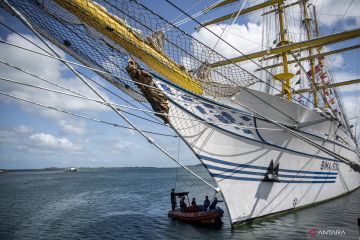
206	203
173	199
183	205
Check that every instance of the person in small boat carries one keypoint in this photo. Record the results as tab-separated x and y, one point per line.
213	204
173	199
193	202
206	203
183	205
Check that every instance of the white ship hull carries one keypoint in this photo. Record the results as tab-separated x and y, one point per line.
237	149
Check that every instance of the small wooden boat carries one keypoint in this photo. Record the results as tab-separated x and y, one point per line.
208	217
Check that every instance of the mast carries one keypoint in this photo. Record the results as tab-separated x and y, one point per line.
316	22
307	20
317	33
285	76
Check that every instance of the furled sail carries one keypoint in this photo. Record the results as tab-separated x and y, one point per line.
118	31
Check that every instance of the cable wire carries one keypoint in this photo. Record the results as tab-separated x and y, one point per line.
175	6
81	116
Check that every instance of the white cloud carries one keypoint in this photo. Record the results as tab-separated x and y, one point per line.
120	146
337	61
14	135
245	37
330	12
7	136
346	76
72	127
50	141
49	69
22	129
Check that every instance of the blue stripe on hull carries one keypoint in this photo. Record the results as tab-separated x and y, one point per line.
227	170
260	179
260	167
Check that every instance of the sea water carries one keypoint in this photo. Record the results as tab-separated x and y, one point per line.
132	203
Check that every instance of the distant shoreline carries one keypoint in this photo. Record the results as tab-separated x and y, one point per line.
84	168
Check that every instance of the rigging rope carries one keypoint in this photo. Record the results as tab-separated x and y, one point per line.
195	40
107	103
124	119
237	15
117	8
157	121
246	57
57	85
133	18
221	75
74	63
175	6
82	116
150	140
308	77
354	165
185	20
100	71
245	89
55	57
80	65
177	166
342	16
28	40
358	109
23	37
40	78
106	73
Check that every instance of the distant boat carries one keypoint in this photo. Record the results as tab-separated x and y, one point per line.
2	171
71	169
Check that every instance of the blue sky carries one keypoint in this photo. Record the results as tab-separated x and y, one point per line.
33	137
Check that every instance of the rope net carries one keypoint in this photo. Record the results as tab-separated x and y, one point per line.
106	34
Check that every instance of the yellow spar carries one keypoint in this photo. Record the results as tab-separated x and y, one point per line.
118	31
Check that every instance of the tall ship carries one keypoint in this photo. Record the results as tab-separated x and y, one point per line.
269	126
